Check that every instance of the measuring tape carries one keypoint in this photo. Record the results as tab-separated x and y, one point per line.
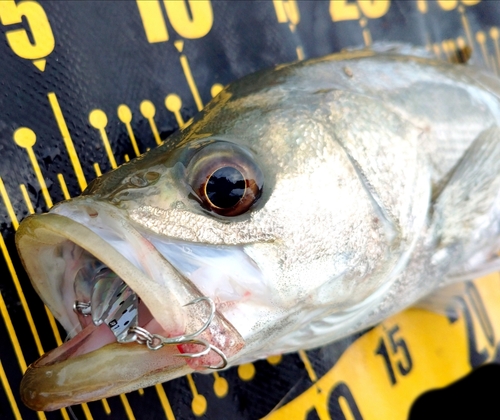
383	372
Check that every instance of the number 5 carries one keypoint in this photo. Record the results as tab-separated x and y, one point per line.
43	39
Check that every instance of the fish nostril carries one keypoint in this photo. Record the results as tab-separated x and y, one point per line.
138	181
151	176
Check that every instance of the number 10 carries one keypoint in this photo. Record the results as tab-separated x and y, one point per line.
190	19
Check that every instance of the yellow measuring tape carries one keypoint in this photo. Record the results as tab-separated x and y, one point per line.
382	373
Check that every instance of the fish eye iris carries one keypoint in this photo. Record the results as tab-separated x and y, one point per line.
225	187
225	179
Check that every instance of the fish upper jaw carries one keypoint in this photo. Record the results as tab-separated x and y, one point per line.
51	247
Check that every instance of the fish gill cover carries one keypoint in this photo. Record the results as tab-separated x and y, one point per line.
86	86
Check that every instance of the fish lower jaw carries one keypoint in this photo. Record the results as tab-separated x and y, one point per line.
94	365
56	380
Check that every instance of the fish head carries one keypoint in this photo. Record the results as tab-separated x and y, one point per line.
256	204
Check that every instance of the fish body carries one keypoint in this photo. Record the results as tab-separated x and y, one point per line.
306	202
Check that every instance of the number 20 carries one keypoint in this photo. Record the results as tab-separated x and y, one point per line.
373	9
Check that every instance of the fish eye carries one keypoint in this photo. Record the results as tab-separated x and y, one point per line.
225	178
225	187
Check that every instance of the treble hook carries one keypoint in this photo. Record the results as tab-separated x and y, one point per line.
209	320
157	341
223	357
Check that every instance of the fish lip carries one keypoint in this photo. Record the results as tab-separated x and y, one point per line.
38	240
40	387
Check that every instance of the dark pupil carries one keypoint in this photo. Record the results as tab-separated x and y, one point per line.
225	187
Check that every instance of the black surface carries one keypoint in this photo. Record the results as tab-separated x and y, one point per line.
473	397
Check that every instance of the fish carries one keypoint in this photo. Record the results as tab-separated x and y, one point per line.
304	203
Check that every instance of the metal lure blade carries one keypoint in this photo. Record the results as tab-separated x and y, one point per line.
115	304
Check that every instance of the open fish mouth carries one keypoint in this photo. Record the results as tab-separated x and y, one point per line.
133	318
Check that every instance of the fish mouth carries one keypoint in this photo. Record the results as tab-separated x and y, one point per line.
83	236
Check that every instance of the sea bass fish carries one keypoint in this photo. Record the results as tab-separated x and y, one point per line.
303	204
